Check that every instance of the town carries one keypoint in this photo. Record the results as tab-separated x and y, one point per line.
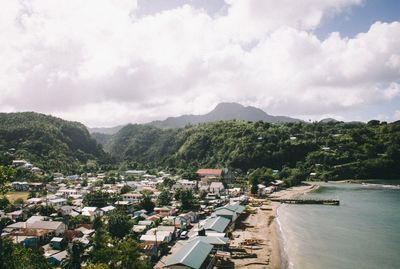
175	222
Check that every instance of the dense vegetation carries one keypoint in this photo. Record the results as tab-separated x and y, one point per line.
320	150
331	150
50	143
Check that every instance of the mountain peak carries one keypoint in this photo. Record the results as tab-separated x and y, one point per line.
223	111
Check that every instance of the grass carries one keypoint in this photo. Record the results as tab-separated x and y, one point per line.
14	195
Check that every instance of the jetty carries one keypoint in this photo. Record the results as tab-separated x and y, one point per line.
307	201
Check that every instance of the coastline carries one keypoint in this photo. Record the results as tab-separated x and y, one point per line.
279	255
262	224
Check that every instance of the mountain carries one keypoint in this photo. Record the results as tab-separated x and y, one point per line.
223	111
48	142
326	120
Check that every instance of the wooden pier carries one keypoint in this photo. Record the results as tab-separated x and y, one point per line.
307	201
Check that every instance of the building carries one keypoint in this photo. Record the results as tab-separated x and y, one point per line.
165	211
209	172
192	255
132	197
217	224
217	188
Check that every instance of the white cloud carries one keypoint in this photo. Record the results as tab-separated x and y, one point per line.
397	115
99	63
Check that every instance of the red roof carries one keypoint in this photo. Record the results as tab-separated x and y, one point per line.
214	172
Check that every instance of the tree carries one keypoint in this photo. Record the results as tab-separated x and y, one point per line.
119	224
97	199
186	198
164	198
74	257
15	256
168	182
129	255
6	175
254	186
147	204
97	223
125	189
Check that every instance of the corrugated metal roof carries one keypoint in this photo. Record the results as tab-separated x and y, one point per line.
213	240
216	172
192	254
218	224
235	207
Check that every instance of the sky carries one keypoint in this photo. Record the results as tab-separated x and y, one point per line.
111	62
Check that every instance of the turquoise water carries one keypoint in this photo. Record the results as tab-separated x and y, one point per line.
363	232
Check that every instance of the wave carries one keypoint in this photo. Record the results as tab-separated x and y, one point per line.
286	263
380	186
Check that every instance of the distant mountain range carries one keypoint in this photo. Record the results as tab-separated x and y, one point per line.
223	111
106	130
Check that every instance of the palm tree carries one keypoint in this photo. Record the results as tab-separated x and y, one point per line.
74	257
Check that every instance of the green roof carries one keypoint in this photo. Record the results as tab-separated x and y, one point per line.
213	240
234	207
218	224
192	254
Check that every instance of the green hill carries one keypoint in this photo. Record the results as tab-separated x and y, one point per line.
48	142
331	150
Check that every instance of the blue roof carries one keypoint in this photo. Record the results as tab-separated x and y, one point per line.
218	224
192	255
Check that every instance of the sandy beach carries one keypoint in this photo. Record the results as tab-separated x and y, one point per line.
261	226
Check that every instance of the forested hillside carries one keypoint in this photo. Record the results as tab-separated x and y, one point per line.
50	143
331	150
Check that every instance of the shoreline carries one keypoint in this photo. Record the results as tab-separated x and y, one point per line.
280	258
262	224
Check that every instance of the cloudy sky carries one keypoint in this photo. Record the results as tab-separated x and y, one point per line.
109	62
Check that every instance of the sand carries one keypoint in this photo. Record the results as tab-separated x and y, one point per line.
262	225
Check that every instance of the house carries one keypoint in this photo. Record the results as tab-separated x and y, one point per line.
185	184
18	163
36	226
209	175
132	197
91	212
20	186
55	227
165	211
65	210
18	214
107	209
217	188
58	203
124	206
140	213
135	172
67	192
192	255
36	170
36	186
166	234
57	258
209	172
229	211
57	243
154	239
218	243
34	201
217	224
139	228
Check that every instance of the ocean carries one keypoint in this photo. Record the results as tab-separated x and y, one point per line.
363	232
